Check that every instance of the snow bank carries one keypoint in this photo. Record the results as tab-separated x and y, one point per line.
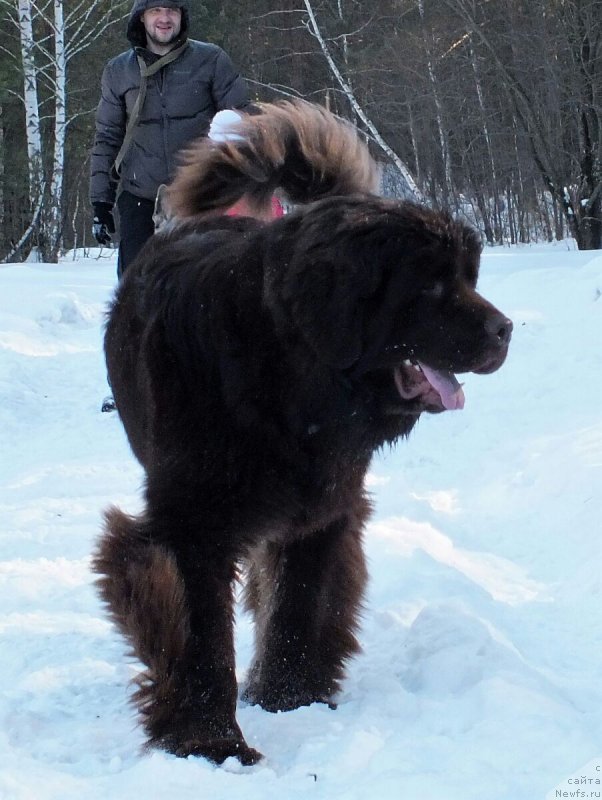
482	633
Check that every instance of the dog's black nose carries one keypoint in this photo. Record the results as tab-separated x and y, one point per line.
500	328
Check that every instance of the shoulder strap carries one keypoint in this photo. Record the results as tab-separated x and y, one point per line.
145	72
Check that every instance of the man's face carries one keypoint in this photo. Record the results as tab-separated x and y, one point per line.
162	25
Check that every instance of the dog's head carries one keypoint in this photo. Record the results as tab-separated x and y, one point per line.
385	293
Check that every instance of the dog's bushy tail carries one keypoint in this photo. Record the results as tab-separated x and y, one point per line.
141	585
296	147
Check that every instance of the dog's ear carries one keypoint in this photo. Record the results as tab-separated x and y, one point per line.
325	301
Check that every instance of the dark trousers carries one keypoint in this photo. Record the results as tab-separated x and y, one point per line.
135	227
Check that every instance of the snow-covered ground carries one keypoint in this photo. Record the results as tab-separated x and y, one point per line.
482	662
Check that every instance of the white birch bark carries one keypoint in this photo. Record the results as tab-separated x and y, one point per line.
30	97
315	31
70	34
2	210
60	125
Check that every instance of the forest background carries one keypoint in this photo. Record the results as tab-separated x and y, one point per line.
490	108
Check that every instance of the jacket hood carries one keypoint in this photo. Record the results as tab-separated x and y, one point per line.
135	29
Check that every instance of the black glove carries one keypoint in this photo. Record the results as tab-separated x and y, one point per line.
102	224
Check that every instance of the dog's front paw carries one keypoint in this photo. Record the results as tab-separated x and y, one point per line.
276	699
215	749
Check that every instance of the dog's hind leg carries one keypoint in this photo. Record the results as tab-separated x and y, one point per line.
177	616
306	599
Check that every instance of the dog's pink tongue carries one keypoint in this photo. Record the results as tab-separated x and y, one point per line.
446	383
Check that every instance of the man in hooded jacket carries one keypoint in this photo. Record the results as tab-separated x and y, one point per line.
183	92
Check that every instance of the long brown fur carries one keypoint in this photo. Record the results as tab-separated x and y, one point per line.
256	368
142	588
293	147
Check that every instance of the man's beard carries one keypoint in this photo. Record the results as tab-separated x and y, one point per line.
162	42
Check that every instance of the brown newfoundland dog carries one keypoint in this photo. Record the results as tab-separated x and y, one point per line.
256	367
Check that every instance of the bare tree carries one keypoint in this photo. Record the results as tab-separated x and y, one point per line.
31	107
434	85
548	59
45	61
315	31
492	107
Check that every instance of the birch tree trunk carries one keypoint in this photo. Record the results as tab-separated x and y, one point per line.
30	96
55	221
48	57
2	211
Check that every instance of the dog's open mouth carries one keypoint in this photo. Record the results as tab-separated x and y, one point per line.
433	388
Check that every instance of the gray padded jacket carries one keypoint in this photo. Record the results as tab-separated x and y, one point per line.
180	101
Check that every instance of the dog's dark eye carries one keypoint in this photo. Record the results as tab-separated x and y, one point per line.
434	290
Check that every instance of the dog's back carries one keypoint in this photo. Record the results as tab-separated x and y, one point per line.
296	148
